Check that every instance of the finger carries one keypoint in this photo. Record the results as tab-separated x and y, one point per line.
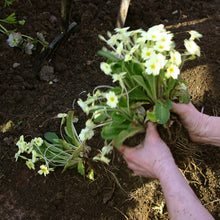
181	108
177	108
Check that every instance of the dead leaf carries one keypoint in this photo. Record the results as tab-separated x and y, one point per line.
6	127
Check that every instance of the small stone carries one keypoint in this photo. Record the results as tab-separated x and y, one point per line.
15	65
46	73
53	19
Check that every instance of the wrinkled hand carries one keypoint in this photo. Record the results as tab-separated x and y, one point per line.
150	158
194	121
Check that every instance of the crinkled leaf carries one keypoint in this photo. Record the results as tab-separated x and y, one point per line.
110	132
117	117
123	135
138	94
169	104
162	112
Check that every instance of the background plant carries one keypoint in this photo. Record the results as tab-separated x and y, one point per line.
16	39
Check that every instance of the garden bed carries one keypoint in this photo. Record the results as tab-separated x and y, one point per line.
31	102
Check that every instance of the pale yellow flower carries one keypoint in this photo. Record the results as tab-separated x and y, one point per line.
30	164
106	68
112	99
192	47
38	141
61	115
44	170
172	71
194	35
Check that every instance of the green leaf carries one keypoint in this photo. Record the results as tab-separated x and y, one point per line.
162	112
117	67
81	168
100	118
117	117
138	94
51	137
110	132
193	57
137	69
169	104
123	102
170	86
11	19
151	116
116	90
21	22
70	129
183	96
144	84
108	55
130	132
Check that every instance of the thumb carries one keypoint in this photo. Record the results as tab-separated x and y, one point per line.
177	108
151	130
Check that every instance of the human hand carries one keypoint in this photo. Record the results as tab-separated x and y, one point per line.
194	121
150	158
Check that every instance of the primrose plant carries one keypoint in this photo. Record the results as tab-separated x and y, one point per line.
68	151
146	68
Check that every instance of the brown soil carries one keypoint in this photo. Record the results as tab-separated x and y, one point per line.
115	193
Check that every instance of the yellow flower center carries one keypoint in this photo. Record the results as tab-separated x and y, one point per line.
44	169
152	66
161	46
171	70
153	36
148	53
112	99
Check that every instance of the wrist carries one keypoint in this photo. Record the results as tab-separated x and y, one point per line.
166	169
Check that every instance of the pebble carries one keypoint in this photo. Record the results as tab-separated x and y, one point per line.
15	65
46	73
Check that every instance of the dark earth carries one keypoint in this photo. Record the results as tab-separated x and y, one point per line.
31	102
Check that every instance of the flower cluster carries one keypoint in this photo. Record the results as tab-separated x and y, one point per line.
33	148
146	67
154	50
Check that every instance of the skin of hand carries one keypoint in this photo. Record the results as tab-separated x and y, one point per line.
201	127
153	159
150	157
